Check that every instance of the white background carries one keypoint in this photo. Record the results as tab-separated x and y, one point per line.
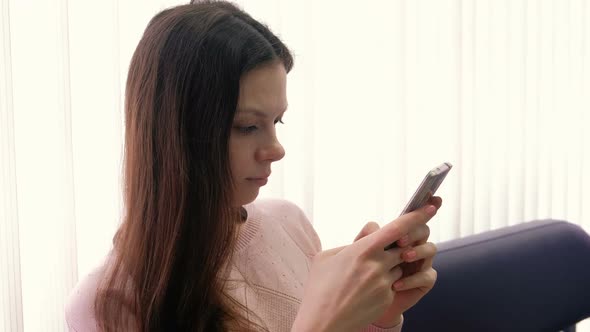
381	92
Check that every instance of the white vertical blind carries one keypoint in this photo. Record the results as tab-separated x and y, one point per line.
11	318
380	93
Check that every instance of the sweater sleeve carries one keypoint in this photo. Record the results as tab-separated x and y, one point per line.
374	328
297	224
79	313
309	230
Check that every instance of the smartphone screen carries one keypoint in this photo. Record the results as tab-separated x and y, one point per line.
425	190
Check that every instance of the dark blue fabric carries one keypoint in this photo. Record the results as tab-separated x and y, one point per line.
529	277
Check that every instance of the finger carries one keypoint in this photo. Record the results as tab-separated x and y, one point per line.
424	251
425	280
427	263
395	274
369	228
418	235
401	226
390	258
416	266
436	201
412	268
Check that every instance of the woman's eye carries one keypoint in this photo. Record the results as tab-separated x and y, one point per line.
248	129
253	128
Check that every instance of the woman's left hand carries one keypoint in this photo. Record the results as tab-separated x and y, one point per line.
418	275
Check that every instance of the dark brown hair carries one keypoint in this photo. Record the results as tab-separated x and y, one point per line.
167	268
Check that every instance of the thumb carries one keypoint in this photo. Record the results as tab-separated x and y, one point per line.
330	252
370	227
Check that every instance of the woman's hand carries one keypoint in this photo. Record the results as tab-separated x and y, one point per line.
351	286
418	275
418	237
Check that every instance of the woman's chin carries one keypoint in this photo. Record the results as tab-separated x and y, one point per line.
246	198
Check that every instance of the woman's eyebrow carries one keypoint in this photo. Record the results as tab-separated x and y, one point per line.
253	111
257	112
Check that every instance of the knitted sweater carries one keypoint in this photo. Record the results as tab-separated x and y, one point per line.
270	267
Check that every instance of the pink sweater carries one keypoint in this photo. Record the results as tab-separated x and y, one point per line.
274	252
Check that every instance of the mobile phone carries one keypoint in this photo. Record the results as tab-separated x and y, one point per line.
425	190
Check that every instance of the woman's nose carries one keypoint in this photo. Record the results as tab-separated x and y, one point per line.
271	152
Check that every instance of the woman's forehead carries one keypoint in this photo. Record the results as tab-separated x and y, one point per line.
263	90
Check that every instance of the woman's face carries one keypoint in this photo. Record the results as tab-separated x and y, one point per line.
253	143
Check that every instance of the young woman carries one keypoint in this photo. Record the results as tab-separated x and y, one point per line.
206	88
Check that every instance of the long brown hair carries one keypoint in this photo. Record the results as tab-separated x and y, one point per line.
178	229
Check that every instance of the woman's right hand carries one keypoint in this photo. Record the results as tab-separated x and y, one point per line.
350	287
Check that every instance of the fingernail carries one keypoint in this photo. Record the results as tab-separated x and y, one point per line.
431	209
410	254
404	240
398	284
